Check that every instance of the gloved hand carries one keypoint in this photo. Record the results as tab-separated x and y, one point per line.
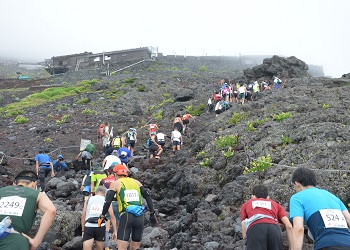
100	220
153	219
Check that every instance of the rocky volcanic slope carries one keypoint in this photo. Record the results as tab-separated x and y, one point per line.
197	193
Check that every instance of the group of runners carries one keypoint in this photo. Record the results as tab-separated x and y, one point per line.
113	199
229	93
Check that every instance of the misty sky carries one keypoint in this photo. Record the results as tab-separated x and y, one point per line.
315	31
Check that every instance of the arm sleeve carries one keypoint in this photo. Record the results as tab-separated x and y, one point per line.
148	198
109	198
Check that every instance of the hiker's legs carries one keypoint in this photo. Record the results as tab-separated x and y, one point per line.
87	245
122	244
100	245
160	151
135	245
88	164
42	178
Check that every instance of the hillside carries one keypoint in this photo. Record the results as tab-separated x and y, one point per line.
197	193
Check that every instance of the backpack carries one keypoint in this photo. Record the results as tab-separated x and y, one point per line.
130	136
90	148
101	130
149	142
116	142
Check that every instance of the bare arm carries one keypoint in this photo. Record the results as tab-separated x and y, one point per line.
244	233
52	170
298	233
347	217
113	220
79	155
37	167
289	230
83	216
49	213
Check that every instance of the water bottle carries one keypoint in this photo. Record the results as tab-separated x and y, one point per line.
5	224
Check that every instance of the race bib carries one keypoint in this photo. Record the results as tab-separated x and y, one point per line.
96	209
333	218
12	205
263	204
131	195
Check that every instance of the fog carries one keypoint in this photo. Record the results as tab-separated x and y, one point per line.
315	31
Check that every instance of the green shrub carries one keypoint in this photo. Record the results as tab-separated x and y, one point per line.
166	95
281	116
194	75
236	118
47	139
228	154
175	69
251	126
286	140
20	119
141	88
89	112
203	68
226	141
63	119
325	105
158	116
50	116
149	69
260	164
196	111
205	162
201	154
83	101
89	82
129	80
161	104
61	107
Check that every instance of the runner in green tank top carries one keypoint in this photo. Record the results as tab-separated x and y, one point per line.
21	202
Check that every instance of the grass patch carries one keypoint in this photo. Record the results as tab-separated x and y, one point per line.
83	101
20	119
161	104
129	80
203	68
280	117
46	96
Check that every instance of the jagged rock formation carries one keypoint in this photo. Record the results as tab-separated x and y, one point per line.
305	124
290	67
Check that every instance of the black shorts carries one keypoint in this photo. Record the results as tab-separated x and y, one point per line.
130	143
176	143
264	236
97	233
130	223
185	122
162	143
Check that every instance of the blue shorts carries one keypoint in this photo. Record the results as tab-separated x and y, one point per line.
86	190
